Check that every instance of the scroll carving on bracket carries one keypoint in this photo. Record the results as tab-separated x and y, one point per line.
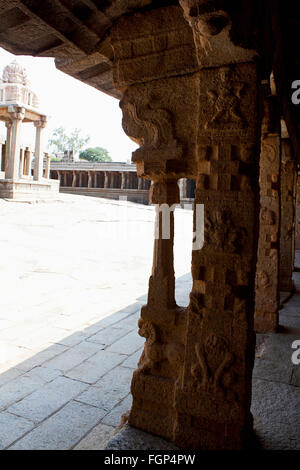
155	351
152	128
212	366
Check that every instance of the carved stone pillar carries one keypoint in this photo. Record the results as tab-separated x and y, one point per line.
27	162
140	183
38	153
267	295
122	180
13	143
288	173
193	382
3	159
21	167
47	168
74	179
106	179
95	180
90	181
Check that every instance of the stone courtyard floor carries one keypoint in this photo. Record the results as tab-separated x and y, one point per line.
73	277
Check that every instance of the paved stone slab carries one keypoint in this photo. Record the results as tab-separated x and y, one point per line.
8	375
62	430
95	367
128	344
17	389
46	400
12	428
40	357
275	407
73	356
132	360
272	370
108	335
113	418
130	438
97	439
109	390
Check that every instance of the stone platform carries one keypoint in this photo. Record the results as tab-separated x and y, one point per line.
28	189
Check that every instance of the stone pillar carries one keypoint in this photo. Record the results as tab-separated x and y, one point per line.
80	179
21	168
288	173
140	183
13	143
267	294
106	182
74	180
123	180
297	222
193	382
95	180
27	162
90	181
47	168
3	159
38	152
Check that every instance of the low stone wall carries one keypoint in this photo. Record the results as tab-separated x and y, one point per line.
133	195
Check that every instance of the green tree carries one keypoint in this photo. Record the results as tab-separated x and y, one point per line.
96	154
61	140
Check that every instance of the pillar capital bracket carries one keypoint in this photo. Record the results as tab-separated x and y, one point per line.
42	122
16	112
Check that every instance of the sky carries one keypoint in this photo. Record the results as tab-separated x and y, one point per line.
70	103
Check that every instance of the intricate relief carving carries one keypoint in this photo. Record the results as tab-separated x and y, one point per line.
152	128
213	360
222	233
267	216
269	152
262	279
226	101
155	351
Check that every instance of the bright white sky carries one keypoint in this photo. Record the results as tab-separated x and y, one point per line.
71	103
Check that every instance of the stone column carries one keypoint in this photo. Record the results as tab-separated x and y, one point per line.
193	382
1	156
90	182
95	180
47	168
288	173
267	295
27	162
21	167
140	183
38	152
297	222
123	180
3	159
80	179
17	115
106	182
74	179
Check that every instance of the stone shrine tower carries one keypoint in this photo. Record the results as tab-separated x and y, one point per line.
19	104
